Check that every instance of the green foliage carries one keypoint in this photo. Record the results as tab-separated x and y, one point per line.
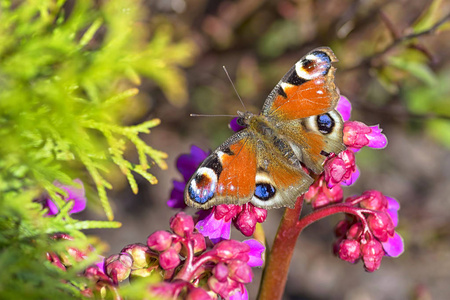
68	73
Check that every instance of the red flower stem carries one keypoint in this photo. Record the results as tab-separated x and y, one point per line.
276	271
331	210
190	266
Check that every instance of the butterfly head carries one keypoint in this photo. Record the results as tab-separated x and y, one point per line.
244	118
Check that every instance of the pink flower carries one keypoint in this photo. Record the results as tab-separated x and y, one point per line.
215	229
75	194
344	107
358	135
341	169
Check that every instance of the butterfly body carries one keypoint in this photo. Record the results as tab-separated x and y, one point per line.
264	163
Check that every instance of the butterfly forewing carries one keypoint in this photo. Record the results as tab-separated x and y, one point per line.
226	176
306	90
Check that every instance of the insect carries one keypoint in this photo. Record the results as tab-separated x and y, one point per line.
262	164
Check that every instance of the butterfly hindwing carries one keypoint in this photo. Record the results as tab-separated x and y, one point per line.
314	138
279	181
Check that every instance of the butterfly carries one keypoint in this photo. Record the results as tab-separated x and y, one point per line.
297	127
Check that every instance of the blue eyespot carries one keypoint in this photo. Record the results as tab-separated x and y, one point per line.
264	191
325	123
200	196
202	186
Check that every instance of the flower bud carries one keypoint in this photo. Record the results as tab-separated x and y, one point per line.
198	294
341	228
159	240
227	211
182	224
260	213
246	222
328	196
372	253
335	170
232	249
199	242
355	231
140	254
96	273
169	259
355	134
374	200
349	250
118	266
240	271
220	271
381	225
218	287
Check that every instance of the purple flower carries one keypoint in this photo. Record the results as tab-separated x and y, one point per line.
213	228
187	164
256	252
74	194
394	246
358	135
177	195
376	139
235	126
344	107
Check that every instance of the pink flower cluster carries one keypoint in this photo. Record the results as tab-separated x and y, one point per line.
221	270
369	233
190	265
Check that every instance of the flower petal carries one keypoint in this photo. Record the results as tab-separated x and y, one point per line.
235	126
394	247
188	163
256	252
239	295
216	230
393	203
376	138
352	179
74	193
344	107
177	195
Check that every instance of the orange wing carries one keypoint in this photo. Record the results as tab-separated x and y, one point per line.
306	90
226	176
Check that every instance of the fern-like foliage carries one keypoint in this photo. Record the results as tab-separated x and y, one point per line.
68	72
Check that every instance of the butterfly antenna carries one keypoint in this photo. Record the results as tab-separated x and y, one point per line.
228	75
200	115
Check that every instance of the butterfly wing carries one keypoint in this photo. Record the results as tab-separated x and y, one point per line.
302	107
245	169
307	89
226	176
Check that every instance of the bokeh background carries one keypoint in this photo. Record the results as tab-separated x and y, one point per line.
394	67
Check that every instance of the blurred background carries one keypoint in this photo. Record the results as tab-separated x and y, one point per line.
393	66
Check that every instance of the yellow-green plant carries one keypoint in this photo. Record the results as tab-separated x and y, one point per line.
68	71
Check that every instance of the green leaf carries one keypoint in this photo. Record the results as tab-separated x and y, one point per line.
418	69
